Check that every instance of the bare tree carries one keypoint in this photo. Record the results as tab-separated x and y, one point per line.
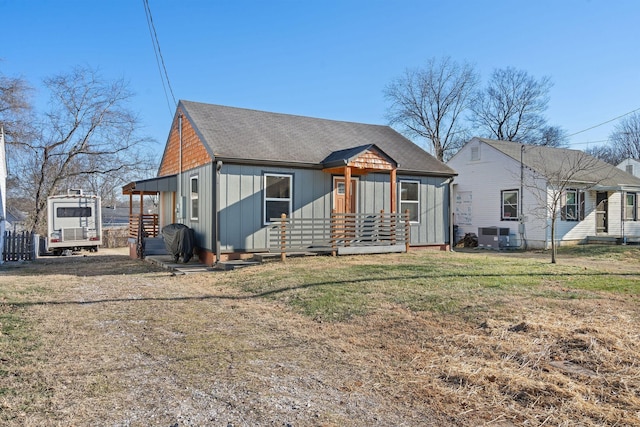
511	107
428	102
558	181
607	153
88	131
15	107
625	137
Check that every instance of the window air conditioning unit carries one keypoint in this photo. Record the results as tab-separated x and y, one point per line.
493	237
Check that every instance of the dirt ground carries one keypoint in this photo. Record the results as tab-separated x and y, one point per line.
117	342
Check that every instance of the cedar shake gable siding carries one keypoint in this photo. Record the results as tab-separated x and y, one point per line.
194	152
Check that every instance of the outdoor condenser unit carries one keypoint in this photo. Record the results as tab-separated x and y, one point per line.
493	237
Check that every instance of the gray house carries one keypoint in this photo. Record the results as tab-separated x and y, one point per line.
227	172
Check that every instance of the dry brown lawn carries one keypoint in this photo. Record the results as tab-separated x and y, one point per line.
105	340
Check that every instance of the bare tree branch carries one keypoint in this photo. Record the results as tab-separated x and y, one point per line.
428	103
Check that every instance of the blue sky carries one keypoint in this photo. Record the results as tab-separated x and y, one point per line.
331	58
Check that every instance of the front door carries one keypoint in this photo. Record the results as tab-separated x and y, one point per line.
602	212
339	195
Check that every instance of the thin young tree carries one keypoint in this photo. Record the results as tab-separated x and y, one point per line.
559	180
428	103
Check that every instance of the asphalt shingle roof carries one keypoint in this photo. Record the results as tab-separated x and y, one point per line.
249	135
552	159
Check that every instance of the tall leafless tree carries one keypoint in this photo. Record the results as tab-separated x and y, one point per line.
88	131
15	106
625	137
512	106
428	103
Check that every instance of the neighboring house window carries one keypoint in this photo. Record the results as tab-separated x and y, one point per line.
475	153
277	196
573	207
630	169
630	207
194	197
509	210
410	200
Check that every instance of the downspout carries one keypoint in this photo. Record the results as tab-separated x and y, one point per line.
452	241
523	241
216	210
180	206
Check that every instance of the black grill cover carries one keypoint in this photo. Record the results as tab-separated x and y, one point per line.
179	241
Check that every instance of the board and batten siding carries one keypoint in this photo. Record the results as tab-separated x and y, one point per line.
374	195
204	226
241	203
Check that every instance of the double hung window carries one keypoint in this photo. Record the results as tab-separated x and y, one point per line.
410	199
277	196
510	200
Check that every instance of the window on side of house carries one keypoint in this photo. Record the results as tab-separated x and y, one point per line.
475	153
630	207
510	199
410	199
277	196
194	196
573	206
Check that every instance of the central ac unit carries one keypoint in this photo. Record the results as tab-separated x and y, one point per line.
493	237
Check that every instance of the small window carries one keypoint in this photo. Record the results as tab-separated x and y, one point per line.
73	212
194	196
629	169
410	200
277	196
509	211
573	207
475	153
630	207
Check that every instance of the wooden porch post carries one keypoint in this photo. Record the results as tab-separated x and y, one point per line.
347	190
394	190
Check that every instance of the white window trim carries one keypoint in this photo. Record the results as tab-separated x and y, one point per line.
502	193
635	206
266	199
194	196
576	204
416	202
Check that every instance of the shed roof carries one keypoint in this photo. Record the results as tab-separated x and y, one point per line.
243	135
535	157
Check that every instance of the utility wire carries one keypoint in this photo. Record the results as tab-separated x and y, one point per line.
159	58
604	123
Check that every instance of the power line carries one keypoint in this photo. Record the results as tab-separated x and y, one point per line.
159	58
604	123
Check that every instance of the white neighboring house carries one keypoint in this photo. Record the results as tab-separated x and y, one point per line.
500	183
631	166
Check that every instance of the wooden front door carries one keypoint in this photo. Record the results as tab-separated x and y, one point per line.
339	195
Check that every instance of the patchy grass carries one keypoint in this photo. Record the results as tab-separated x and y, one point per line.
425	338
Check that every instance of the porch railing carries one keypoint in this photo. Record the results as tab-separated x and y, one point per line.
341	233
147	223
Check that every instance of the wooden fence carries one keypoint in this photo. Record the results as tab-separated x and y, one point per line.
341	234
19	246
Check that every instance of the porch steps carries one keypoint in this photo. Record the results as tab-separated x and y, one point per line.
612	240
275	256
154	246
